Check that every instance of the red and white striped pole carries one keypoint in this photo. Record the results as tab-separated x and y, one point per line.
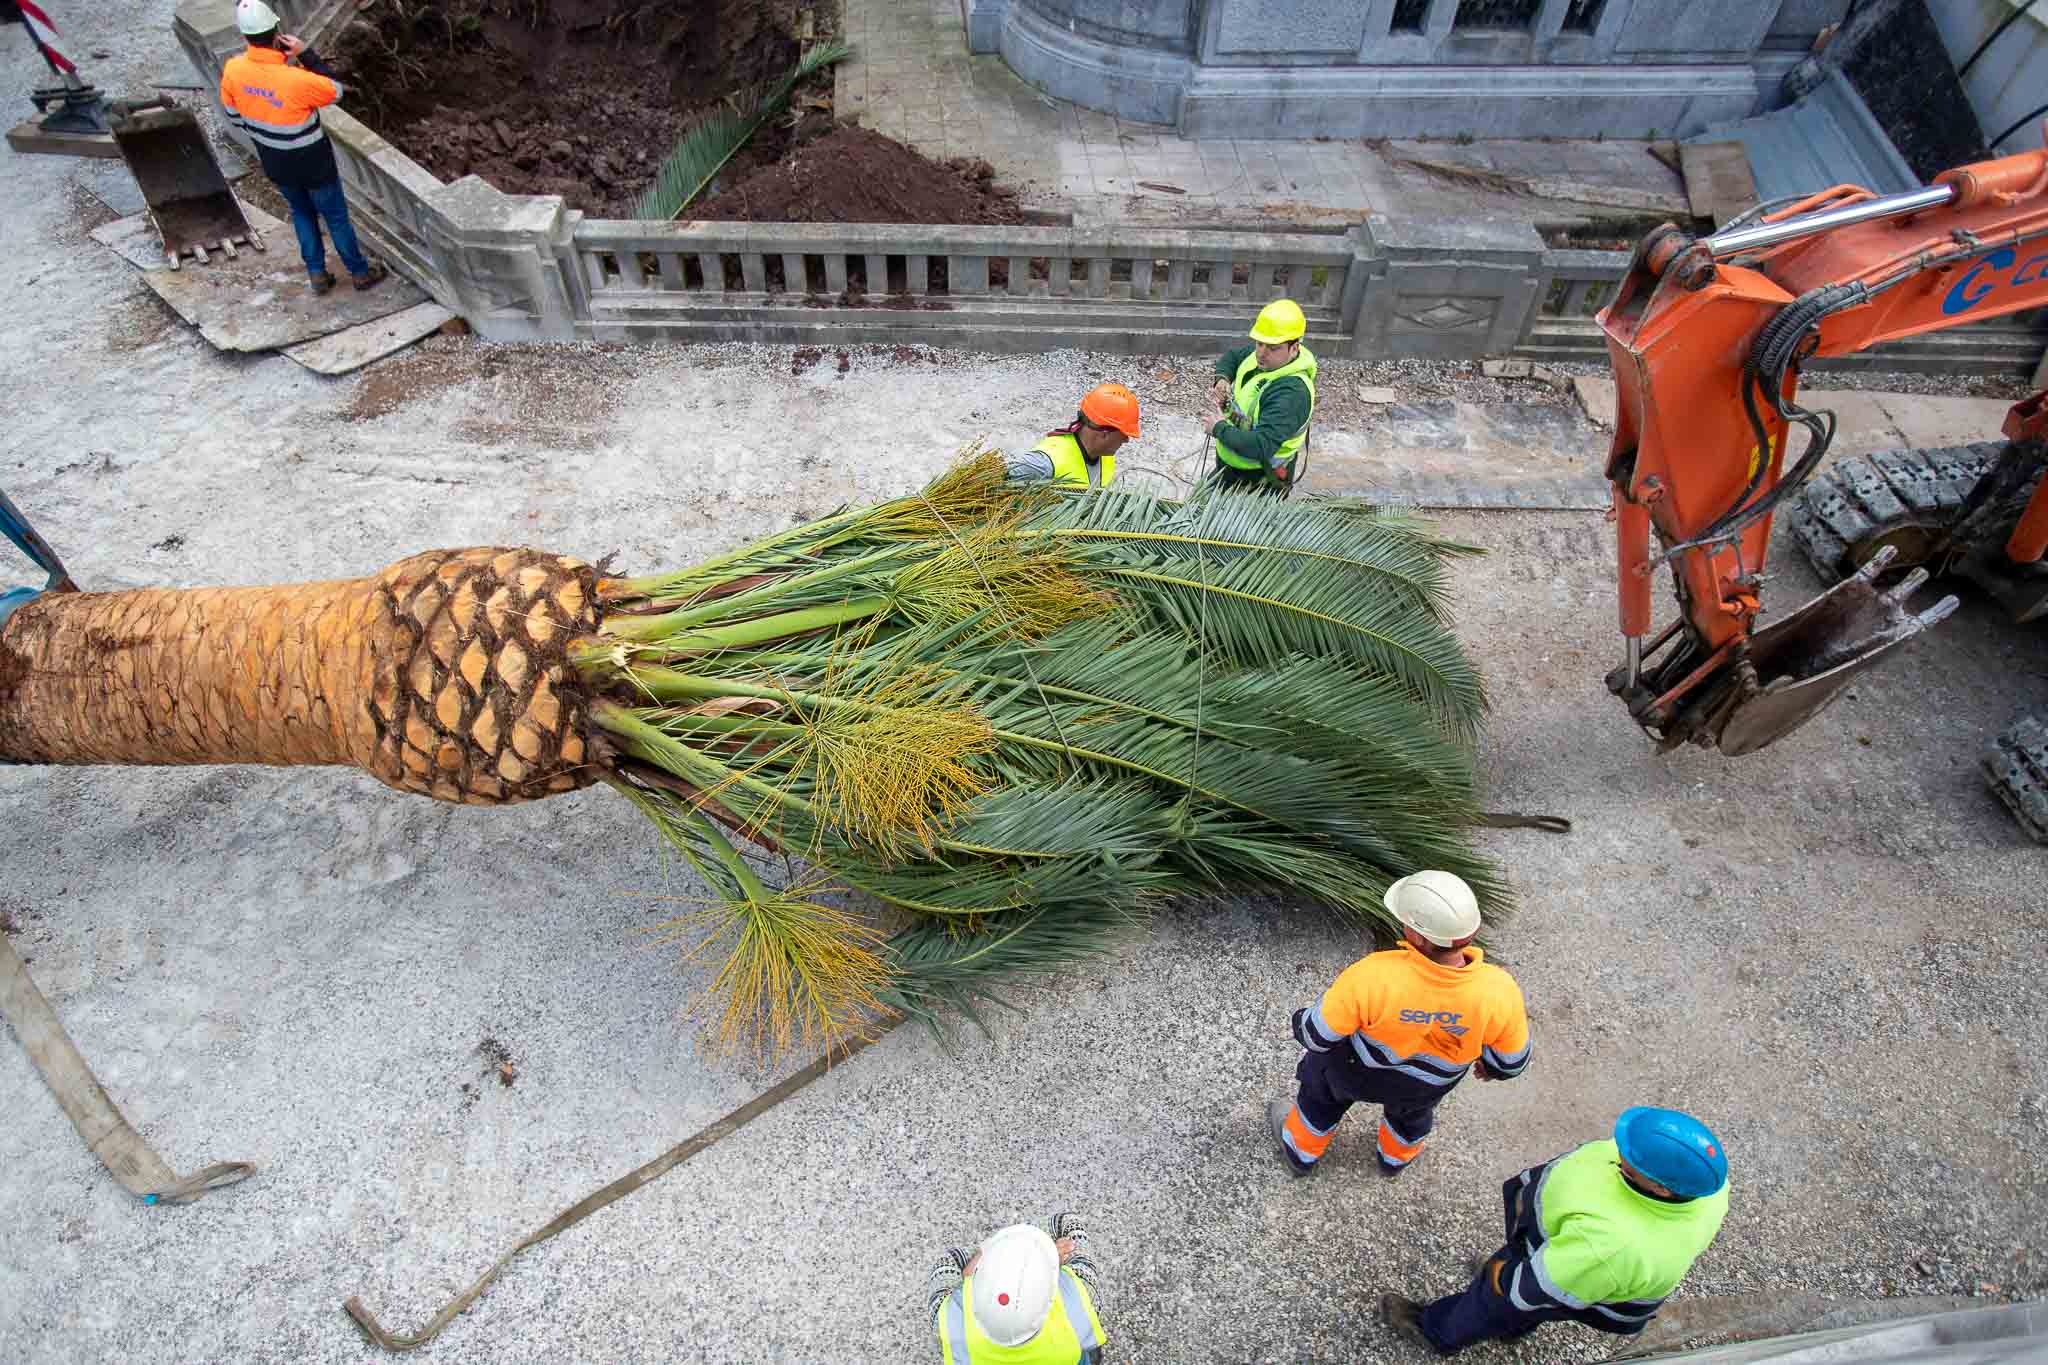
43	34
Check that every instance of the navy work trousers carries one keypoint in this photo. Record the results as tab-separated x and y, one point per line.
308	208
1331	1082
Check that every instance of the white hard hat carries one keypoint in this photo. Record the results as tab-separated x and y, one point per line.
254	17
1436	905
1015	1282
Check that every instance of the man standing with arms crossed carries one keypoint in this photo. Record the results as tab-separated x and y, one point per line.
274	92
1401	1028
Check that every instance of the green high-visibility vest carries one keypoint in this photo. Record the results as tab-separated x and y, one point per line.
1071	1335
1606	1242
1245	392
1070	464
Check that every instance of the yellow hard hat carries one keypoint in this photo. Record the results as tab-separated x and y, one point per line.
1279	321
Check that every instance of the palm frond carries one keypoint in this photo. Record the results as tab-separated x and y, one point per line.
1023	718
703	151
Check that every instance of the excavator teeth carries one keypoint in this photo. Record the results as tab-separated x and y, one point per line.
1907	586
1796	667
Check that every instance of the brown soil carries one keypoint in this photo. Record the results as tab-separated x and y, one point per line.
854	175
585	98
581	98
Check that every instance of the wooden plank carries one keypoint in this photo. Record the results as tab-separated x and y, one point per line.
1717	179
354	347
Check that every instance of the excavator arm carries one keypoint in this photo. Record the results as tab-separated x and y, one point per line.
1707	337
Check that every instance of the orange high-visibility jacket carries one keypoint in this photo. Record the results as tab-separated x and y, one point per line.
1406	1015
279	107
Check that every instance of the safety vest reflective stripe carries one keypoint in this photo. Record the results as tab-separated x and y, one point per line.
1072	1324
1505	1064
955	1339
1421	1066
1246	391
1071	465
304	135
1079	1315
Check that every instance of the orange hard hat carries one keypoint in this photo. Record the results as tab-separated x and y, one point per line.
1112	405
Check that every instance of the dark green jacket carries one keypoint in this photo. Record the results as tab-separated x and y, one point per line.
1282	410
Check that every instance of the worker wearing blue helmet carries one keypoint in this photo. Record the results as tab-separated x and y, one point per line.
1601	1235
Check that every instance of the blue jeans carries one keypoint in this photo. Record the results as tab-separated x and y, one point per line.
308	208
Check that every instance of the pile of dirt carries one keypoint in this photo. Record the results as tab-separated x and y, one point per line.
581	98
855	175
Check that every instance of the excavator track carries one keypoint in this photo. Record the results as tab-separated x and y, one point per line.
2017	766
1911	500
1905	498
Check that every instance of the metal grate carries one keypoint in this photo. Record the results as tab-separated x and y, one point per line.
1409	16
1496	13
1583	16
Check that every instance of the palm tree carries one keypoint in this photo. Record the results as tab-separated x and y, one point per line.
1015	718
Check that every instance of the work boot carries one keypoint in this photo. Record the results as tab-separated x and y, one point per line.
1276	1123
1389	1170
1404	1315
321	282
370	278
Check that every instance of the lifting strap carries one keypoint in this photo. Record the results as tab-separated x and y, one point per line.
99	1122
618	1189
1501	819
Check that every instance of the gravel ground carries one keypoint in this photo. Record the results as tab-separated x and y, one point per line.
1829	950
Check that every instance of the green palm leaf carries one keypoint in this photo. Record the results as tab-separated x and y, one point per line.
1024	719
703	151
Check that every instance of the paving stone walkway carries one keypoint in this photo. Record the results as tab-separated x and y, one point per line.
912	78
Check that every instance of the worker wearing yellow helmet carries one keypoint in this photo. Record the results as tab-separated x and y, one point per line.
1267	393
1082	454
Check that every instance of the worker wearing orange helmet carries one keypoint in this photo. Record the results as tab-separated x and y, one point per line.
1267	393
1083	452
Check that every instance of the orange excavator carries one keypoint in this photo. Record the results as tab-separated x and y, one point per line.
1707	336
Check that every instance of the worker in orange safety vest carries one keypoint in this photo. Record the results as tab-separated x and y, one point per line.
1401	1028
274	92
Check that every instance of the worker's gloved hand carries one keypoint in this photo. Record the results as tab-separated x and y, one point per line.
1219	393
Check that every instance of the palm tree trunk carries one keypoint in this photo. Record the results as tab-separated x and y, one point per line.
446	674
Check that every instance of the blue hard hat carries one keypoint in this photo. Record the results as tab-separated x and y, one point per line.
1675	1150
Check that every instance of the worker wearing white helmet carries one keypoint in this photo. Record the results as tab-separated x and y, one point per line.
1024	1298
274	92
1401	1028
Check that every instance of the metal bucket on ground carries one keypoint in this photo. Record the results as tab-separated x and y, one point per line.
188	198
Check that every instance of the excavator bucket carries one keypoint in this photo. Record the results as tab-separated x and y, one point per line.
1795	668
188	198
